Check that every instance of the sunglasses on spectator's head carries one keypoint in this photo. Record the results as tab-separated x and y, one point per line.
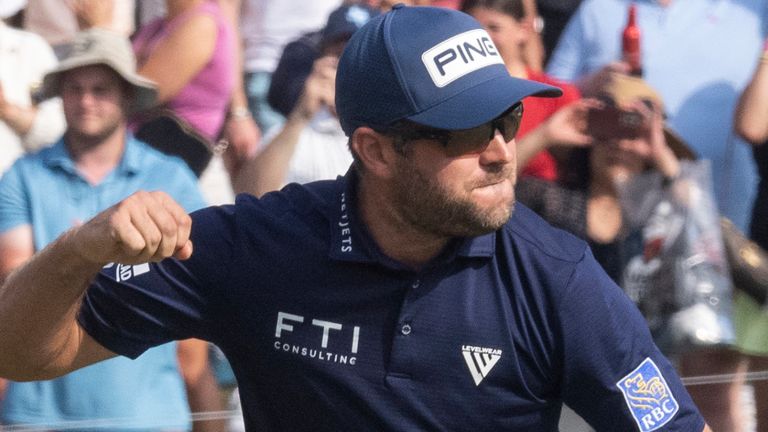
463	141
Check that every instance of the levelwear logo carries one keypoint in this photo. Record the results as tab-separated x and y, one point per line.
462	54
480	361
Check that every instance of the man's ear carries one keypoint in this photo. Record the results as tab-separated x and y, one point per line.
374	151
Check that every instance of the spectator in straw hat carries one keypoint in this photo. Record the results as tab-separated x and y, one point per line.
94	165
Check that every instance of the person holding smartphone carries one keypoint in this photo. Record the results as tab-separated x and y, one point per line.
630	139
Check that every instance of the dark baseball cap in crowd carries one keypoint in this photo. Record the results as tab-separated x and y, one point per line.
102	47
345	21
433	66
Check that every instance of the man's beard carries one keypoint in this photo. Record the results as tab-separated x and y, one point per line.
425	204
90	140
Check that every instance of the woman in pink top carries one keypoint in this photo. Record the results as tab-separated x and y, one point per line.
190	54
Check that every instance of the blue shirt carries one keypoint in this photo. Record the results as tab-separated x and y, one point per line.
699	55
325	333
45	191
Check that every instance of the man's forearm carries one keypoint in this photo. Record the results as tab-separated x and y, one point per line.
39	334
18	118
266	172
38	308
529	146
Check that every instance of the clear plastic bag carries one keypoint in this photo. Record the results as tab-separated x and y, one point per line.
681	281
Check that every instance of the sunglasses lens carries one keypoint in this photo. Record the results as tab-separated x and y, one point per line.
476	140
511	122
468	141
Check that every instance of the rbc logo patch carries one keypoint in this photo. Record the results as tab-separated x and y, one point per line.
648	397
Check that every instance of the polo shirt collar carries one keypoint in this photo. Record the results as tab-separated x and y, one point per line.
351	241
130	163
132	158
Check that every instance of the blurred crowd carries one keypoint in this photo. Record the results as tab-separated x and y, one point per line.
649	148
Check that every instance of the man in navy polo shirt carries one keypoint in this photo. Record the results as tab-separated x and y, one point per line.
406	295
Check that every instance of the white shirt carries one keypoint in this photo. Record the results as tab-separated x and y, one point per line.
266	26
321	152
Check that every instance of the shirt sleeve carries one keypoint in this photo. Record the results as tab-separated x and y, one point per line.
614	375
131	308
14	202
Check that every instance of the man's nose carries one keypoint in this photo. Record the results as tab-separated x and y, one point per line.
498	150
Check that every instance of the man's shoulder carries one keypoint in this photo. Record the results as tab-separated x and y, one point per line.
303	198
534	235
293	202
597	12
289	217
39	159
151	157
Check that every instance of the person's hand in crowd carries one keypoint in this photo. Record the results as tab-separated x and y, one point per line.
18	118
565	128
568	126
93	13
660	155
146	226
319	89
5	106
243	136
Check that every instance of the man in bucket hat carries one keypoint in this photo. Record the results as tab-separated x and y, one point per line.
406	295
94	165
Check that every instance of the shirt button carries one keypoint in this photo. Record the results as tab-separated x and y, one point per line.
416	284
405	329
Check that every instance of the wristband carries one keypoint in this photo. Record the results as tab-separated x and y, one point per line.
239	113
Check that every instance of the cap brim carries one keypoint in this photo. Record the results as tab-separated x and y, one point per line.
482	103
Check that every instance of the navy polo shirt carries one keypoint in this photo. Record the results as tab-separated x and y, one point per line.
325	333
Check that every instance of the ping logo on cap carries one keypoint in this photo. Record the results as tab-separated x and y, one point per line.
461	54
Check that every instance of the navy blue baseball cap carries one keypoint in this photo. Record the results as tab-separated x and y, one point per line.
345	21
433	66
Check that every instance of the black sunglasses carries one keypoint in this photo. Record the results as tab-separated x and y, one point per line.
464	141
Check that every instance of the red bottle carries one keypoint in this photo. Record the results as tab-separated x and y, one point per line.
630	43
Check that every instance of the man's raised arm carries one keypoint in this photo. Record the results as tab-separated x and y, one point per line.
39	301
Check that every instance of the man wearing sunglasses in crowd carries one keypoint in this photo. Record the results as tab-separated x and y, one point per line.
409	294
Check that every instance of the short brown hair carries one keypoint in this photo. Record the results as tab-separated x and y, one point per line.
513	8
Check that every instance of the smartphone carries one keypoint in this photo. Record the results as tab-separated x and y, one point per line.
611	122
